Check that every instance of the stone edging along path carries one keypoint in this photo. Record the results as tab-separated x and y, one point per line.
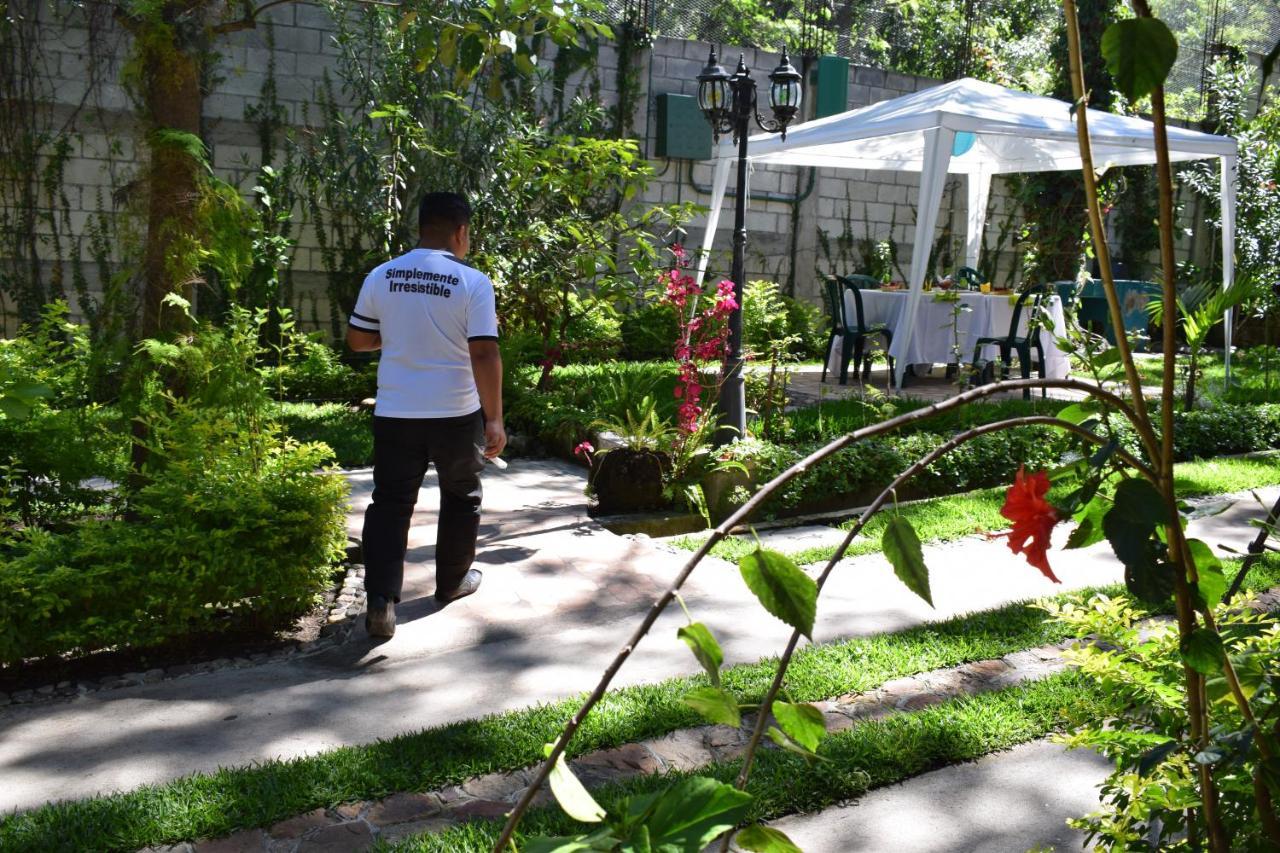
355	826
339	625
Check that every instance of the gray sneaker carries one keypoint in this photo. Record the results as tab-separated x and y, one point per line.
470	583
380	617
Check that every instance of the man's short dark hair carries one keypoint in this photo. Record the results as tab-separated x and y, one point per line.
443	212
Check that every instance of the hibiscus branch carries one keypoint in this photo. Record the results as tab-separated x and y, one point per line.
744	513
1098	231
875	506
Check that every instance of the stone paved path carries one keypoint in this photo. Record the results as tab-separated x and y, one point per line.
560	596
1008	802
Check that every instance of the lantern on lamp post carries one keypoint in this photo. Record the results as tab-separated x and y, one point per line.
729	103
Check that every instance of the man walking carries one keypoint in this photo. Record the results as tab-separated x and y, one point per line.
439	401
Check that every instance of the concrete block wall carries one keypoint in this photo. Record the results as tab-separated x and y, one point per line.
783	229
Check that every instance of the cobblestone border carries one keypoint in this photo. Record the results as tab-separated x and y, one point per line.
339	625
358	826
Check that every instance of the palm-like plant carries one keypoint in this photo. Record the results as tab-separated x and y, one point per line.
1201	307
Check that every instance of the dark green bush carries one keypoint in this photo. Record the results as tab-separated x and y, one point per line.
315	371
809	326
837	417
868	466
1225	429
223	524
229	544
581	395
649	333
65	439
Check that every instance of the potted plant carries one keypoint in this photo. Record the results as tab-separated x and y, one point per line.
629	461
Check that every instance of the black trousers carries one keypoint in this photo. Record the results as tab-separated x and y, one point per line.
402	449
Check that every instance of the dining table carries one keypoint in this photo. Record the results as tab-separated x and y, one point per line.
940	329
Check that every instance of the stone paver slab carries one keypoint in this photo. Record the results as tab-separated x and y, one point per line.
1009	802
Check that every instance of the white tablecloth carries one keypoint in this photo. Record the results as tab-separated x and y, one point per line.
989	315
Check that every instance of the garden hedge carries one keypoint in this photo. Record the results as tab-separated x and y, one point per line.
235	542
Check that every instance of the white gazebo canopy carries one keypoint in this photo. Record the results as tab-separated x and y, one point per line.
977	129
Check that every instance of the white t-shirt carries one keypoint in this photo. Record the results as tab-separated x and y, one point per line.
427	305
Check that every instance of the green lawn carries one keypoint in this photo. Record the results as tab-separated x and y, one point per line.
1255	375
953	517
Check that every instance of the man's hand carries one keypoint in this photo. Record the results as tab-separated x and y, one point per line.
495	438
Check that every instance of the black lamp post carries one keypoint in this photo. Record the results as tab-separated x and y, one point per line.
729	103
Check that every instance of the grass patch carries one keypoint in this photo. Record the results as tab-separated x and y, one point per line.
217	804
349	433
953	517
1255	375
867	756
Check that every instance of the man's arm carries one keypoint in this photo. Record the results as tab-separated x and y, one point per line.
361	341
486	366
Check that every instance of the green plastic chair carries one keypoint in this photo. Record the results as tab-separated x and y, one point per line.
971	277
1021	344
853	335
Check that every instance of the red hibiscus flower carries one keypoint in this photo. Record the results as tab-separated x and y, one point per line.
1033	519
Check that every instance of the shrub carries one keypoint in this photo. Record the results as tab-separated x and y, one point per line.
234	544
593	334
810	328
228	525
764	317
1227	428
581	395
648	333
64	439
868	466
315	371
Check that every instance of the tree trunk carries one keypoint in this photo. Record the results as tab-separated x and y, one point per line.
173	100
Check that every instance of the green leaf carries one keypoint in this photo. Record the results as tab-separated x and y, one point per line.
1106	358
715	705
406	21
902	546
781	738
1269	770
1139	54
688	815
1212	583
1150	581
765	839
783	589
705	648
525	63
1089	526
448	52
803	723
1202	651
570	793
1077	413
1136	511
14	409
471	54
601	840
